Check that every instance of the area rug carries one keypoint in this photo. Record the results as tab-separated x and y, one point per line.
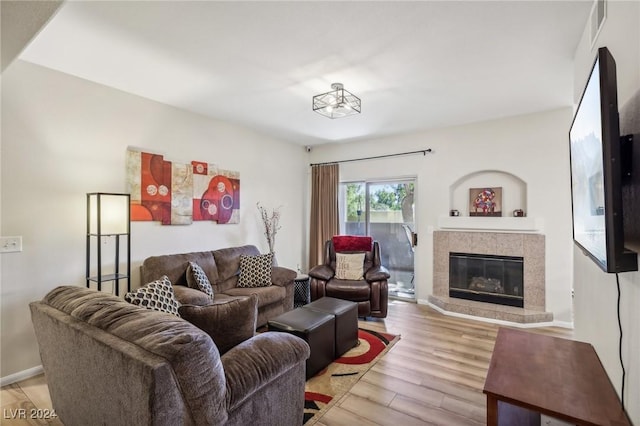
327	387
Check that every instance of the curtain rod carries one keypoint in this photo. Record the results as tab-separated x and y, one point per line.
422	151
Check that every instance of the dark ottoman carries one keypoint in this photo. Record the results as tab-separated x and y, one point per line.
346	314
316	328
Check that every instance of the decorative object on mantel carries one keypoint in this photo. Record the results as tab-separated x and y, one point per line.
454	213
337	103
485	202
271	222
178	194
518	213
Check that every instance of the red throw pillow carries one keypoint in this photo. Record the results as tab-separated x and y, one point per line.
343	243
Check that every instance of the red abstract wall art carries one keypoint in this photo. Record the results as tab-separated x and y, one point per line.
177	194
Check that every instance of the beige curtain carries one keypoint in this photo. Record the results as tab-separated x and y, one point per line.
324	209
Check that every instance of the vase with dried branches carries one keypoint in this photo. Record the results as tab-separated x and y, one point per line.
271	222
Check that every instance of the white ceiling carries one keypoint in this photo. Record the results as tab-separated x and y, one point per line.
416	65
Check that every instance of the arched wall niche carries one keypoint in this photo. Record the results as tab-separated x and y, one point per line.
514	190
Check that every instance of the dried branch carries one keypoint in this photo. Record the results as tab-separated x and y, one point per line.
271	224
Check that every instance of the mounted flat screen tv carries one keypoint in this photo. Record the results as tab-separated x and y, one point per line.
596	171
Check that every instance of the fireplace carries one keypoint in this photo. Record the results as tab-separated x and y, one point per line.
487	278
527	248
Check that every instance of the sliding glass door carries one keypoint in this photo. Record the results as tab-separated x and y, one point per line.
385	211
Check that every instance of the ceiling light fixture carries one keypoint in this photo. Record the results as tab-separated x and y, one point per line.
337	103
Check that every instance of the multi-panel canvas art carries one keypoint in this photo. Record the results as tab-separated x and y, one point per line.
177	194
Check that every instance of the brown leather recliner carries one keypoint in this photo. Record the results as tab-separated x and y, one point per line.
371	293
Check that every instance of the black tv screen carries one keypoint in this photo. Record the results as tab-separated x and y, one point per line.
596	174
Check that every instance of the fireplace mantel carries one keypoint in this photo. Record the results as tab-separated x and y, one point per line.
508	224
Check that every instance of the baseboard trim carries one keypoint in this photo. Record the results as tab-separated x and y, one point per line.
21	375
562	324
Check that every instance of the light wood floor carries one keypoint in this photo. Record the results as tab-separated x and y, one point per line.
433	375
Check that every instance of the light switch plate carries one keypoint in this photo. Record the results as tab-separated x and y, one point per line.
10	244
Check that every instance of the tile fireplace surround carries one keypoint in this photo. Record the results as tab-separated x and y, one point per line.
527	245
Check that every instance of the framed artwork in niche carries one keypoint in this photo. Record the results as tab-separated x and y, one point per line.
485	201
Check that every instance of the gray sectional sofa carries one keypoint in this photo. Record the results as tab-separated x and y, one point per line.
110	362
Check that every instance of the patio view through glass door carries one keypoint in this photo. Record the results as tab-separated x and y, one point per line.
384	211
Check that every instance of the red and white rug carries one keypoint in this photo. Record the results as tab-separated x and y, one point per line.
329	385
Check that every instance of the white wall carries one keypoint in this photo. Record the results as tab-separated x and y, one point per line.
595	291
533	147
63	137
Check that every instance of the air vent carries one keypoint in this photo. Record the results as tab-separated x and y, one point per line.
596	19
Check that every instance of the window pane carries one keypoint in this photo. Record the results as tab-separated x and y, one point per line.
353	209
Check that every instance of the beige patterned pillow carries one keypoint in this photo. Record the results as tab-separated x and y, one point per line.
255	271
157	295
350	266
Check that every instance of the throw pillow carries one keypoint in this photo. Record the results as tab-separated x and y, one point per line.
350	266
255	271
157	295
351	243
228	322
196	278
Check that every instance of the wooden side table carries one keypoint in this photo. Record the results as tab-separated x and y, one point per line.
302	292
532	374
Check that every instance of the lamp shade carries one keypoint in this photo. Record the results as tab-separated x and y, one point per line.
108	213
